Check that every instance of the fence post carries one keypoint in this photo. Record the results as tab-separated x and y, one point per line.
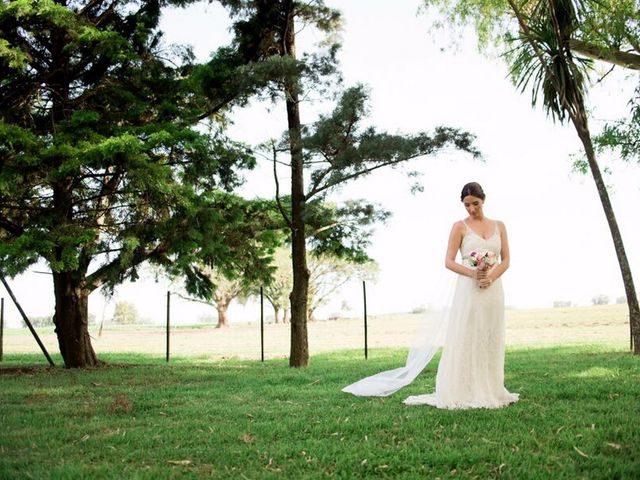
261	325
364	296
1	325
168	320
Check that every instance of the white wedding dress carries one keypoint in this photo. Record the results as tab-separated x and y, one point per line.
471	370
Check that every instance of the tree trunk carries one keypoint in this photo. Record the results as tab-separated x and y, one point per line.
223	319
623	262
276	314
285	316
71	319
299	355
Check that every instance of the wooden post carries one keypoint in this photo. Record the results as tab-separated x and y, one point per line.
364	296
1	324
26	320
168	321
261	325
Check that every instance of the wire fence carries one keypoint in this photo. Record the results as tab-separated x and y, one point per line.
254	340
246	341
260	340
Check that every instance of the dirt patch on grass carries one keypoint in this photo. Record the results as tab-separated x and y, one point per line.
24	370
121	403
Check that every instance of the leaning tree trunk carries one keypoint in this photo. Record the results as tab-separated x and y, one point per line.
299	355
71	319
623	262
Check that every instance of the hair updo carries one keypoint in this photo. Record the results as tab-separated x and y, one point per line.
474	189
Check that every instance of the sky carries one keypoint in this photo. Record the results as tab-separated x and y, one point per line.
561	248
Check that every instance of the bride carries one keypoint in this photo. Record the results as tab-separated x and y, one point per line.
471	370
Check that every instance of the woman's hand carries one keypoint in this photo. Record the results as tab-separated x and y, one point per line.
483	278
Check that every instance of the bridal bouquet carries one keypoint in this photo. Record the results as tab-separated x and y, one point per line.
483	259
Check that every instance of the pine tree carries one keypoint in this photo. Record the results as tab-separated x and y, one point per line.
102	166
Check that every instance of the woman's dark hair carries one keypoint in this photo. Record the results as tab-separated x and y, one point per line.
474	189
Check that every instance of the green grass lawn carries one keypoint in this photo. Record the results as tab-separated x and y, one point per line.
140	418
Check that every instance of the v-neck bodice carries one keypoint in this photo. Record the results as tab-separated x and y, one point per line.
473	242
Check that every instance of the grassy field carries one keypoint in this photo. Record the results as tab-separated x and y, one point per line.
606	324
215	412
141	418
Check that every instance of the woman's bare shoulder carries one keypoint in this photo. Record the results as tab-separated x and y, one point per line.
458	225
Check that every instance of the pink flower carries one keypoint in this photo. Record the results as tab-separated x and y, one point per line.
483	260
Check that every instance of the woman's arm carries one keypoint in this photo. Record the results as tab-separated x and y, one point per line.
455	239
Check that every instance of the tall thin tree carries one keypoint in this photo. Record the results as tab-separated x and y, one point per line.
544	57
333	150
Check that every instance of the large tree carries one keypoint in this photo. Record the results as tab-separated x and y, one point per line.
125	313
225	289
549	45
102	164
337	148
278	290
329	274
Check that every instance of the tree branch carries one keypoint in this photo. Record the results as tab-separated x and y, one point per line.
99	277
191	299
319	189
215	109
278	200
616	57
12	228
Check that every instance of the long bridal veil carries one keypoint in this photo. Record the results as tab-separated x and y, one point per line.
428	340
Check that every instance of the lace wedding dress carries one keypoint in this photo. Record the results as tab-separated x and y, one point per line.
471	370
